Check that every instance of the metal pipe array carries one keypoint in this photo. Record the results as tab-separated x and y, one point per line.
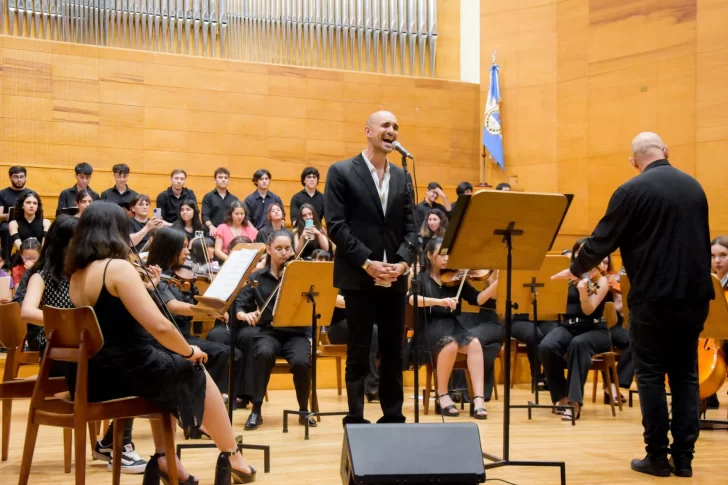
362	35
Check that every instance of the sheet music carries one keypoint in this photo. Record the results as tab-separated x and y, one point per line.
224	284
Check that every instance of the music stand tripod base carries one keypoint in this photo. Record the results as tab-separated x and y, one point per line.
292	309
481	235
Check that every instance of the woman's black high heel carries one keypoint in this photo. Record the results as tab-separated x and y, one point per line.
224	471
478	413
450	410
153	475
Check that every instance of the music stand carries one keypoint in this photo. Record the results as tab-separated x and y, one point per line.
542	299
307	294
505	230
231	278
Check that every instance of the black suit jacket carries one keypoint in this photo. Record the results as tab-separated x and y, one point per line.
359	228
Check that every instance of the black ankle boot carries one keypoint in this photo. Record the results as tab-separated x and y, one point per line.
652	464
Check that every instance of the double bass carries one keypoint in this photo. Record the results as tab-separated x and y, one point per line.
712	366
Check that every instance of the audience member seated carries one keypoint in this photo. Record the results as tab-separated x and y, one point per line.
25	258
188	220
141	225
434	191
215	204
8	197
309	236
309	195
120	193
258	203
28	221
67	198
276	222
236	223
83	200
170	200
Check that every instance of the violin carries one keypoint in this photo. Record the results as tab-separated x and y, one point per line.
613	278
453	277
170	280
592	281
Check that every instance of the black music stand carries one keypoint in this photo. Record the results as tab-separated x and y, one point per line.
229	291
307	294
543	297
481	235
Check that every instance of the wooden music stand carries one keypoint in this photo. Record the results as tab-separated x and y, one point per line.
543	299
220	295
505	230
307	294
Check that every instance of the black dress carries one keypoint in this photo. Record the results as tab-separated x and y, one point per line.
129	364
30	229
442	326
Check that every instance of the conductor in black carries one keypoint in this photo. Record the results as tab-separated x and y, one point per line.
659	220
369	216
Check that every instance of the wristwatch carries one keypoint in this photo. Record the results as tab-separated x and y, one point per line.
366	264
407	269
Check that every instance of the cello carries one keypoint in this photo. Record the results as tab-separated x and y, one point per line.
712	366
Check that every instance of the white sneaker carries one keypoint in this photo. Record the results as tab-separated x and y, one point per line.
131	462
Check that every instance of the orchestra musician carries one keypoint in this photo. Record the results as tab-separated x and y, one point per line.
370	219
168	251
719	266
445	335
659	221
143	354
582	334
270	342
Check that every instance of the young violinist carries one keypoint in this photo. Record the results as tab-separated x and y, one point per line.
202	253
582	334
309	236
444	333
168	251
290	343
144	354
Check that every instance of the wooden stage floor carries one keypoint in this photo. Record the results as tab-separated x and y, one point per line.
597	450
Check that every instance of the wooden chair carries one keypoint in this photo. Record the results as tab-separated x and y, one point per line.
12	336
74	335
327	350
607	361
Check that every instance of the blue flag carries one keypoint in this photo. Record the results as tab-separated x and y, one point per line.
492	138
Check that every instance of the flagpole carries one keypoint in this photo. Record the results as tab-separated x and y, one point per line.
483	169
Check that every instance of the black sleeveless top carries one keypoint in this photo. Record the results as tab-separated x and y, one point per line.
30	229
573	306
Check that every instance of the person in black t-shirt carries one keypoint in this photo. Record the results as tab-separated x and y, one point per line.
67	198
140	225
258	203
8	197
28	221
171	199
434	191
309	194
216	203
120	193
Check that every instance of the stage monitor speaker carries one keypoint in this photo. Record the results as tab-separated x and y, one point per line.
412	454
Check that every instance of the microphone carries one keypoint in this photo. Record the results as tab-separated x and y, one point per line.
402	150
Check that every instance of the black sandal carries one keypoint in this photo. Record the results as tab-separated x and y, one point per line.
477	413
451	410
153	475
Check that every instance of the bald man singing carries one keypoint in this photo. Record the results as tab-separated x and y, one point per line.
659	221
369	217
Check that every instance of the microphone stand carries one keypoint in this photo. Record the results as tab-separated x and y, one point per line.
415	289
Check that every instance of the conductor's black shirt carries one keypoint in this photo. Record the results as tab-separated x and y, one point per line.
659	220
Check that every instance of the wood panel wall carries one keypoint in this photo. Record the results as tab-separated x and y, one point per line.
580	78
62	104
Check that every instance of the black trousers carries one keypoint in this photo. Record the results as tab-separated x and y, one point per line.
218	362
580	348
490	334
386	307
244	343
339	334
292	345
523	331
664	338
625	366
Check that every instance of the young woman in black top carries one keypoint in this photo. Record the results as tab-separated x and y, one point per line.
188	220
141	226
168	251
315	234
582	334
83	200
291	343
444	332
28	221
276	216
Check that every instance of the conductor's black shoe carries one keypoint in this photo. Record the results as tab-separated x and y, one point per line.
254	421
656	465
681	467
372	396
354	420
311	421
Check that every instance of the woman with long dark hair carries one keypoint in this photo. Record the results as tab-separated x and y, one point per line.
309	236
28	221
83	200
168	251
445	335
131	363
236	224
276	217
574	342
188	220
